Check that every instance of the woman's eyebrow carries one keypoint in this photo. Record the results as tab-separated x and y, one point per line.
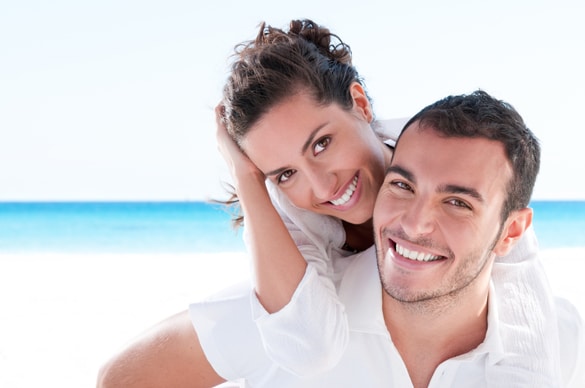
275	172
311	137
304	149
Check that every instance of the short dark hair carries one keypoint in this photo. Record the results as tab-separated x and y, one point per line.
480	115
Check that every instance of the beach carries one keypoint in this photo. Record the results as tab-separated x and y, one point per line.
63	315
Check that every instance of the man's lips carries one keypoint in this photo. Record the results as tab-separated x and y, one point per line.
415	255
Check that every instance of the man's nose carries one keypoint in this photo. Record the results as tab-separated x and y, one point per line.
418	219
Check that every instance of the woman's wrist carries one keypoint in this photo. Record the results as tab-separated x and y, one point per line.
251	185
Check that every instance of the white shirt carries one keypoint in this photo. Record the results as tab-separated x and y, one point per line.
233	345
319	239
321	342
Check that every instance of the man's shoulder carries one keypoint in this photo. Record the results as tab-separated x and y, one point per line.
360	292
570	321
571	341
568	314
362	268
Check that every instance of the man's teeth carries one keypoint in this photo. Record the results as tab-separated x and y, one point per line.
347	195
413	255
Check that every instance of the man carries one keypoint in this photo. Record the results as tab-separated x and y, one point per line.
454	197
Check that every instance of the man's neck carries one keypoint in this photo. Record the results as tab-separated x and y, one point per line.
425	337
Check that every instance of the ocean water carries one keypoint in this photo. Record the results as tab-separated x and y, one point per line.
559	224
117	227
189	227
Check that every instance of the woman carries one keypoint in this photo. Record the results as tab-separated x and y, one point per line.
307	180
309	136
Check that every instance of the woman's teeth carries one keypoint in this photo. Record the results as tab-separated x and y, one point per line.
413	255
347	195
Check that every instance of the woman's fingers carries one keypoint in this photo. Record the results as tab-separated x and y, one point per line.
236	160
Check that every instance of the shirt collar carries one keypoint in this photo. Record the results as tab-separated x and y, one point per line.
492	345
361	292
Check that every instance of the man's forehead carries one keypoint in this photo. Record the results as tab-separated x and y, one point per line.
427	154
427	138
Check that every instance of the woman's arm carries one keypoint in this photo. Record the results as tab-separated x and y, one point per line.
304	328
277	264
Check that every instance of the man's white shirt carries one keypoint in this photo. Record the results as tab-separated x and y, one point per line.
234	346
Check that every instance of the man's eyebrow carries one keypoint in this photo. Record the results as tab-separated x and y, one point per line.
457	189
400	171
447	189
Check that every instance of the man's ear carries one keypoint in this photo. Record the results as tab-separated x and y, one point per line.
516	224
361	103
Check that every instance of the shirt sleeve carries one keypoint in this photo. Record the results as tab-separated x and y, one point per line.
528	318
309	335
228	335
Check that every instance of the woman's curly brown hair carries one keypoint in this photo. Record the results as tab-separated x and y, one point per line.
278	64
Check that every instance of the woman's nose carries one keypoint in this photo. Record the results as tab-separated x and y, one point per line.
323	184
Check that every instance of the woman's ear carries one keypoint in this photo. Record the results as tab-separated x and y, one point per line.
361	103
516	224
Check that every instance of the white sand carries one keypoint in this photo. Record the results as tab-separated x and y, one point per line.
63	315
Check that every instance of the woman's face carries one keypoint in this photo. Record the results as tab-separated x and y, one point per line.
323	158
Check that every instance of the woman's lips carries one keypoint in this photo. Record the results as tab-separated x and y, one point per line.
346	196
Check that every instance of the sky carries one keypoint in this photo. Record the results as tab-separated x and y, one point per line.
113	100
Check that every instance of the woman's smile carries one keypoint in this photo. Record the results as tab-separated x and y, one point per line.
347	195
323	158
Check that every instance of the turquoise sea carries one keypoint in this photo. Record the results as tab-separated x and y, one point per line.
189	227
117	227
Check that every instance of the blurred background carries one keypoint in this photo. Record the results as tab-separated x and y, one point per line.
113	100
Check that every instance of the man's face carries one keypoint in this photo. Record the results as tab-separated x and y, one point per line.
437	216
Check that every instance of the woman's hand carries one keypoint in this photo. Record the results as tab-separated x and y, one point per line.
240	166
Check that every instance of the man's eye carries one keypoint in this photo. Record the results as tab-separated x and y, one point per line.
321	145
285	176
401	185
459	203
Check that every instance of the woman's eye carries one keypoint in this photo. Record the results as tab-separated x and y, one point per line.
321	145
285	176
